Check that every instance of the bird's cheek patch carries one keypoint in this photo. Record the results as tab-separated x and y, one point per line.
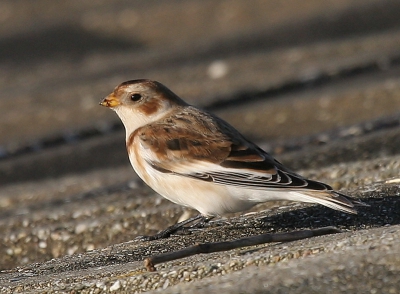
150	107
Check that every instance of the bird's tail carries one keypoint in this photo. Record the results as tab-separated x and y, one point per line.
331	199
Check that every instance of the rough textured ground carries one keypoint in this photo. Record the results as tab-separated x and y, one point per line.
316	83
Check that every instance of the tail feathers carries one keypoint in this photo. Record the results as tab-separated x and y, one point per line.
355	202
331	199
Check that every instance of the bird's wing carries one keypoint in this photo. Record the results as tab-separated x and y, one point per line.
214	151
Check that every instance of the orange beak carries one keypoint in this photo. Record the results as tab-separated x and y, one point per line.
110	101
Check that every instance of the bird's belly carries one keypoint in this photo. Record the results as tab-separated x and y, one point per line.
206	197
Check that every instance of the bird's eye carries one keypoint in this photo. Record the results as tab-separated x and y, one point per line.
136	97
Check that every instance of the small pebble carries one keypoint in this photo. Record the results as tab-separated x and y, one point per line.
115	286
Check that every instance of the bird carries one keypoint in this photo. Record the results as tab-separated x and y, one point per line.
196	159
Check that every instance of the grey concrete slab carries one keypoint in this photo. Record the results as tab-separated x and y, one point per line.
314	82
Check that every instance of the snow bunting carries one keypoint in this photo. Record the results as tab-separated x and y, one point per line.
197	160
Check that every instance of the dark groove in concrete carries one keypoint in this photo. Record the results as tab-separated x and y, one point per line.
242	98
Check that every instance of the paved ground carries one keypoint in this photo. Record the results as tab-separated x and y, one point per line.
316	83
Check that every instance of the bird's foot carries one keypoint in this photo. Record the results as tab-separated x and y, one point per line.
177	228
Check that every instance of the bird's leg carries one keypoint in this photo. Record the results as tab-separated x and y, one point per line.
174	228
201	222
197	226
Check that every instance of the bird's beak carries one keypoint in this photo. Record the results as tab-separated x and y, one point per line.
110	101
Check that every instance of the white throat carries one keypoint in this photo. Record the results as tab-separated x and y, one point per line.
134	119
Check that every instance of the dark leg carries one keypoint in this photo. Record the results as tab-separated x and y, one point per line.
174	228
196	226
201	222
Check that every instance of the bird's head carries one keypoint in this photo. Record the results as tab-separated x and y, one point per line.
140	102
